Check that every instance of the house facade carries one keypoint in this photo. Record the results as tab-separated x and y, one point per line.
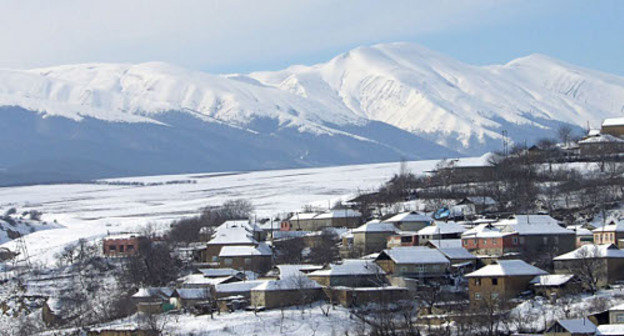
372	236
414	262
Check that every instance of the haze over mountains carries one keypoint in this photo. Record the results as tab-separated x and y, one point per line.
372	104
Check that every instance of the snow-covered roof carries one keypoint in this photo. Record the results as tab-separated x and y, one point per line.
193	293
551	280
201	280
295	270
218	272
303	216
481	161
610	329
415	255
446	243
440	227
288	283
235	234
504	268
613	121
153	292
456	253
578	326
485	230
339	213
236	287
375	226
593	251
601	138
618	307
481	200
611	227
129	235
533	225
241	251
352	267
580	231
411	216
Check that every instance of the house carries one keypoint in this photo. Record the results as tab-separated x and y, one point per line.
556	285
603	263
220	272
122	245
452	249
350	273
479	204
539	235
503	280
361	296
338	218
414	262
240	289
257	259
573	327
469	169
583	236
610	330
403	238
613	126
201	281
609	234
616	314
601	144
372	236
230	233
486	239
153	300
286	270
290	291
440	230
193	298
302	222
410	221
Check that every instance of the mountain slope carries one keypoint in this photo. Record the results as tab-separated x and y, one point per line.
372	104
455	104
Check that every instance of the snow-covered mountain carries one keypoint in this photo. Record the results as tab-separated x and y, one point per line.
372	104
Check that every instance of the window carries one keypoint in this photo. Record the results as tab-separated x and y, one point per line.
493	241
484	241
515	240
112	248
247	261
477	281
403	269
465	242
477	296
494	281
227	261
130	248
545	239
121	248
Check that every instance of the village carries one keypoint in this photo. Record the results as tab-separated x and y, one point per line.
452	253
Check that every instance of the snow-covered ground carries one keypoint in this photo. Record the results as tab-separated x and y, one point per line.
91	210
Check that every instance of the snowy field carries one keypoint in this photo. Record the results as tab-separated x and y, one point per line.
92	210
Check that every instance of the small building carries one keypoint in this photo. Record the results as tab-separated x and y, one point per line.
304	221
257	259
410	221
609	234
616	314
479	204
350	273
573	327
604	262
237	289
230	233
153	300
613	126
440	230
583	236
486	239
339	218
539	235
372	236
122	245
193	298
503	280
414	262
601	144
555	285
290	291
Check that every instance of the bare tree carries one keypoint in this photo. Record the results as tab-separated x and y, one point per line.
564	132
326	250
588	267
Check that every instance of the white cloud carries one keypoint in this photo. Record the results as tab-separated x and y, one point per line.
219	34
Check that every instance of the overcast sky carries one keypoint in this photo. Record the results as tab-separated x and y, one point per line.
242	36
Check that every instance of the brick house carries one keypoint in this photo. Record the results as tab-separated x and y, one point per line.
613	126
539	235
414	262
372	236
486	239
601	144
258	259
501	281
609	234
410	221
122	245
